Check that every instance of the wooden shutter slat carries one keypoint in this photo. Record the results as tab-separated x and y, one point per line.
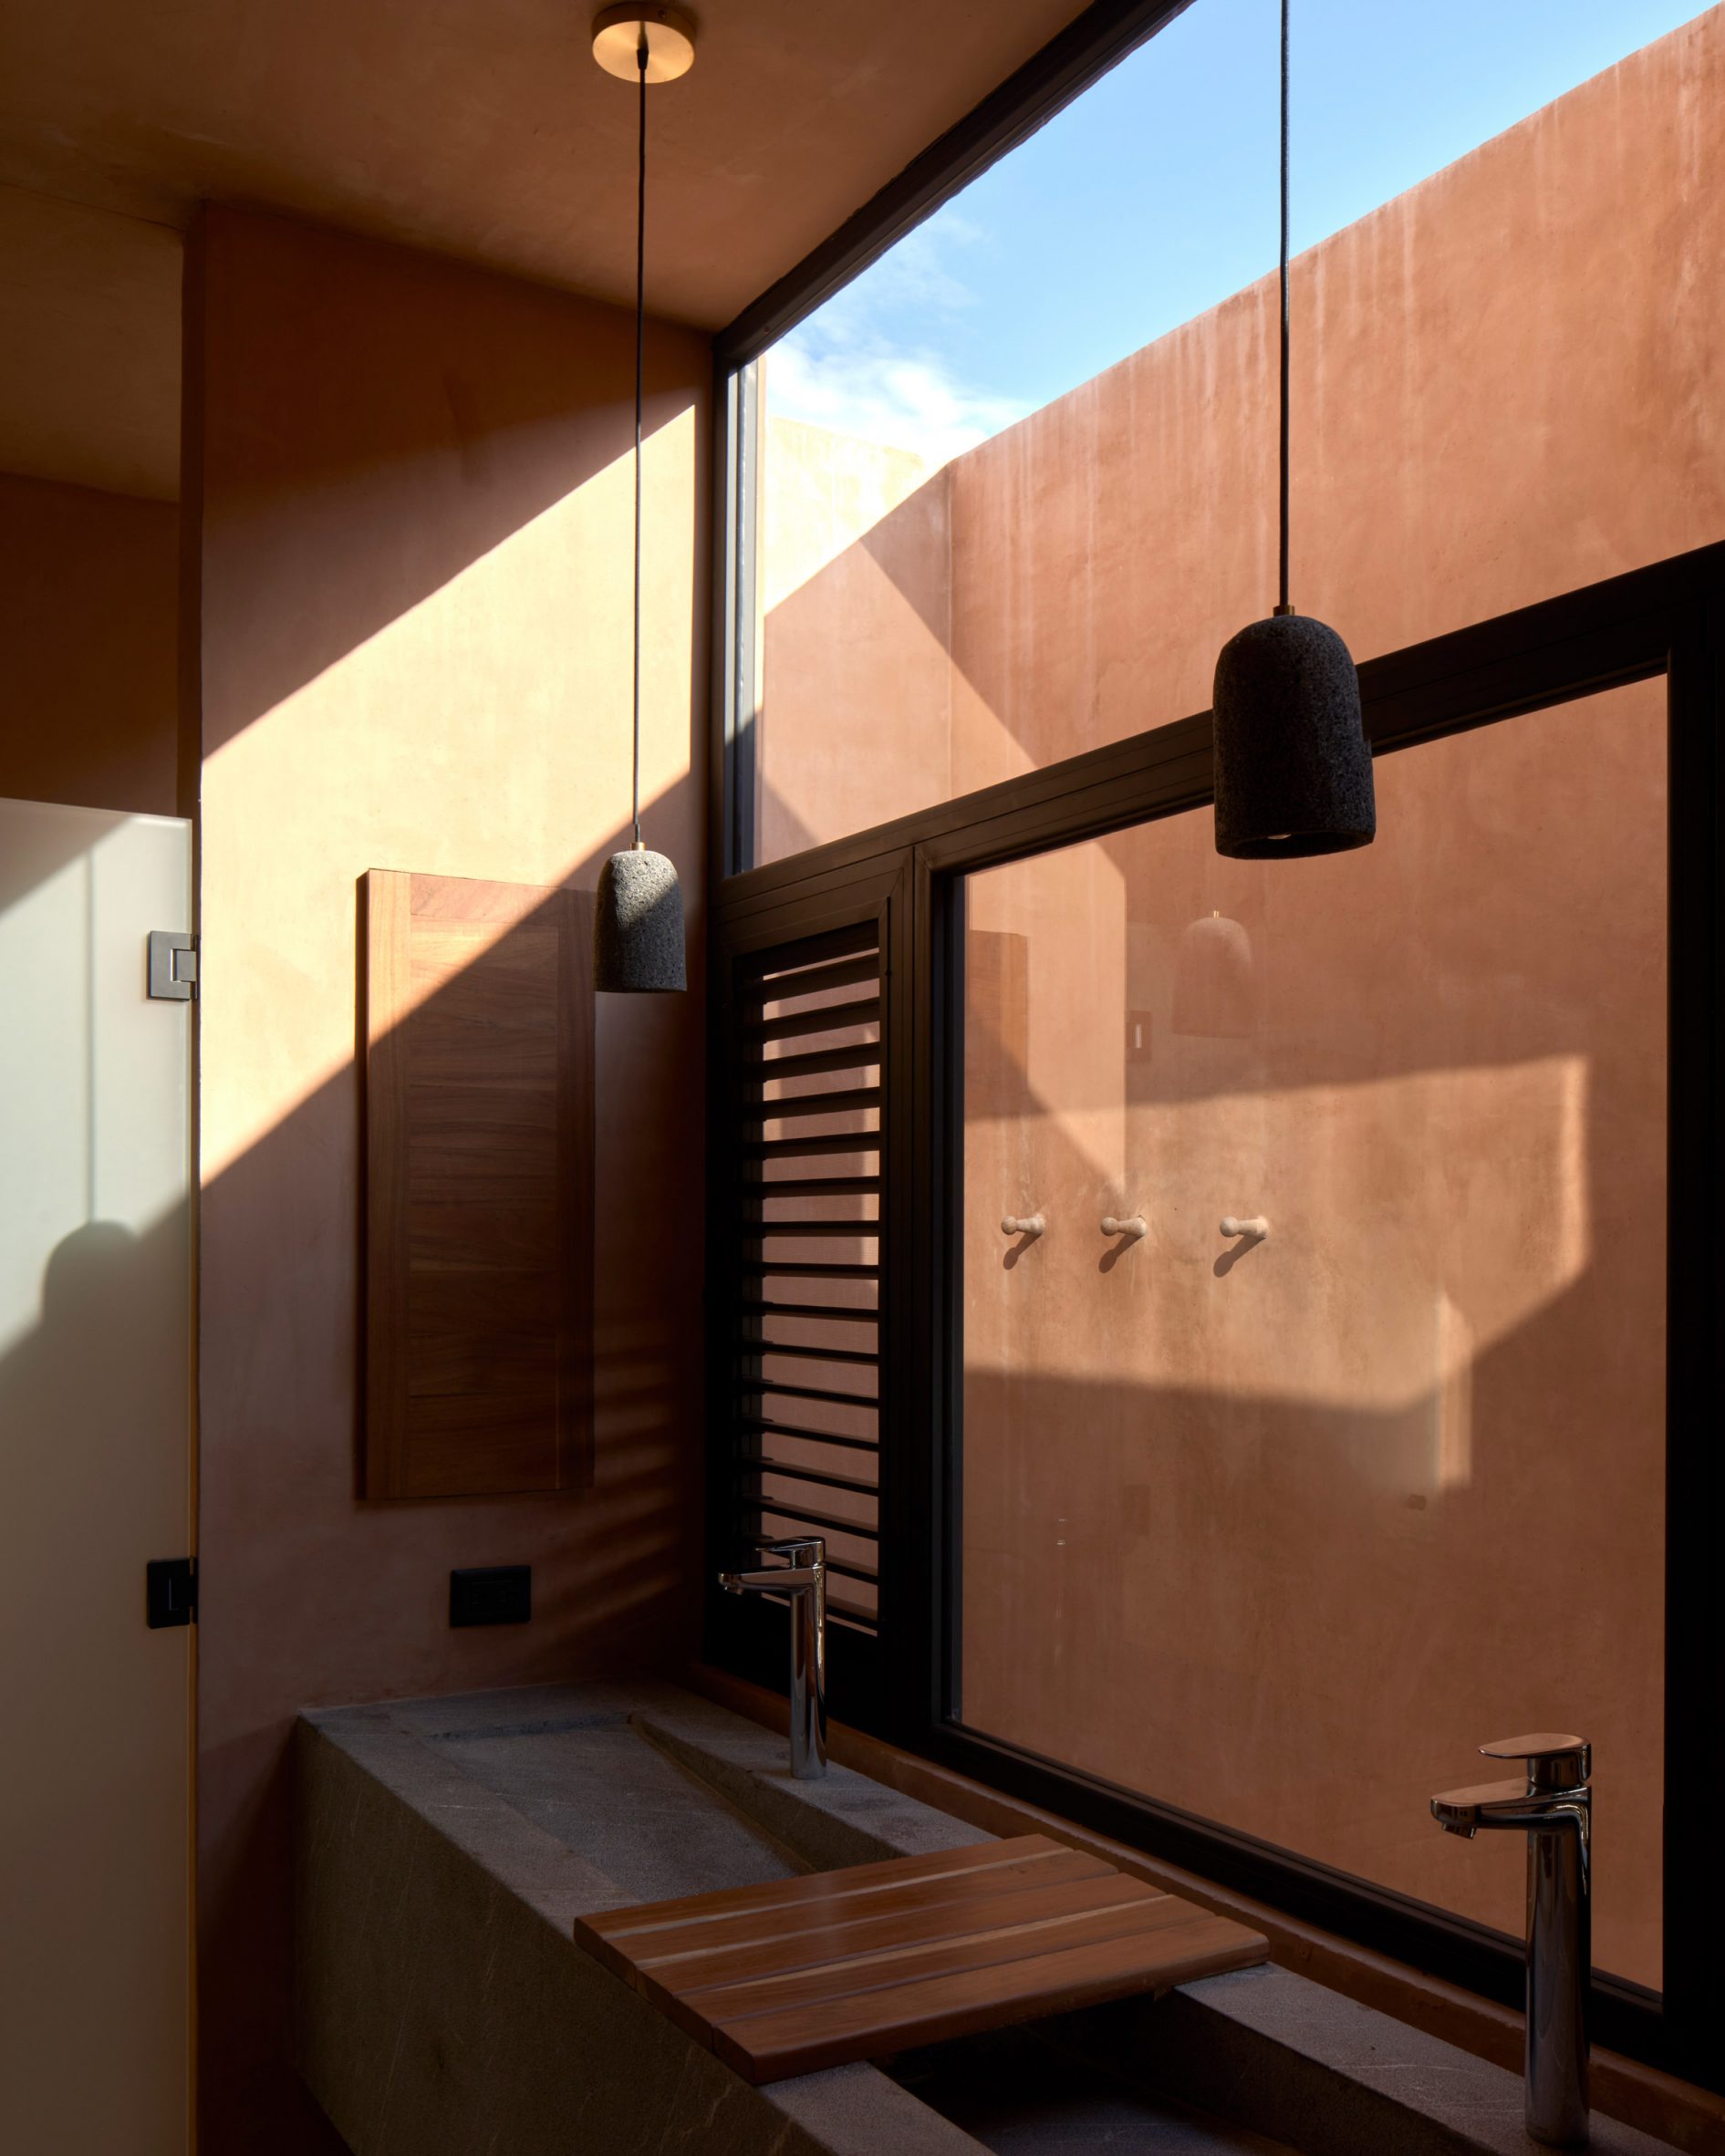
826	1017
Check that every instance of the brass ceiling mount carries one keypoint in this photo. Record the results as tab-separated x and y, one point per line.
669	33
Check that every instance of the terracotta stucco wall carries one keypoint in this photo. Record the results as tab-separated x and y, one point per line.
1278	1535
88	625
411	495
1508	382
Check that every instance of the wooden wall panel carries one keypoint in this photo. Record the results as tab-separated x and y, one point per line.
479	1188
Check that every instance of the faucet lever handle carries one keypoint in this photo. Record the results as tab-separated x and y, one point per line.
797	1550
1554	1762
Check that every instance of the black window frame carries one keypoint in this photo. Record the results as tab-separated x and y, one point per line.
906	878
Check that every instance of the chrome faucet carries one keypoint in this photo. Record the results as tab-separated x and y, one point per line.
802	1580
1554	1809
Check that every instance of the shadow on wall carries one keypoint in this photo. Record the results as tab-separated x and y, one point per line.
616	1566
1318	1516
1309	1633
403	420
1094	556
413	483
864	642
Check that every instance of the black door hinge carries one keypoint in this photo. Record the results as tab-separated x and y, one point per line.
171	1592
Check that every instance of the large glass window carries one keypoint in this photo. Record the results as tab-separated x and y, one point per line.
1009	490
1278	1530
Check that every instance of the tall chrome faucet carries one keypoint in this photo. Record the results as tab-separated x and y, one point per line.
1554	1809
802	1580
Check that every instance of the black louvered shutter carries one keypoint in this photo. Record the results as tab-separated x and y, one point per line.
807	1178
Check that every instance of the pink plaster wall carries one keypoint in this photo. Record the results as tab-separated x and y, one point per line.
409	497
1280	1539
1508	382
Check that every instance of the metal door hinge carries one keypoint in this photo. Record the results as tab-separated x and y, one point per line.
173	966
171	1592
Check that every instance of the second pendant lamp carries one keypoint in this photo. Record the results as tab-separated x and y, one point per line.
638	920
1293	768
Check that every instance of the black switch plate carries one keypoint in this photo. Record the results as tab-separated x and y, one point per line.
491	1595
171	1592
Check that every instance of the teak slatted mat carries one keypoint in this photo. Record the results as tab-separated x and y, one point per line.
815	1971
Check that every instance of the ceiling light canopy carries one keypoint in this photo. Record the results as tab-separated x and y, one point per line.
668	32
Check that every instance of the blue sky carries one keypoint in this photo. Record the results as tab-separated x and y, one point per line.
1154	196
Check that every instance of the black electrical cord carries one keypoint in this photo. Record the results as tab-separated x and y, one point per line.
1282	595
641	56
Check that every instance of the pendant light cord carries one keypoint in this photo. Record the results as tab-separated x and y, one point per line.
641	56
1282	590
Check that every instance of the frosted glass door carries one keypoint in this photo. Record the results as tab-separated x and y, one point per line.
95	1452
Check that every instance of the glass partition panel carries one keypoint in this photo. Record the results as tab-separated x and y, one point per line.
1278	1527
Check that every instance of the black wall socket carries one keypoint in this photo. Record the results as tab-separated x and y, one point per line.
491	1595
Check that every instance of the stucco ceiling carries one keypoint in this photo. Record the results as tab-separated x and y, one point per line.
483	129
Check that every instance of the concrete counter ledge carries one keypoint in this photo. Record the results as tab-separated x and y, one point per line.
446	1846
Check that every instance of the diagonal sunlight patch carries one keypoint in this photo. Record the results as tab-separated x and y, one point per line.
1416	1222
478	734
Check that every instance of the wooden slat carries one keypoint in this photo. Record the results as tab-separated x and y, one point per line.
810	1935
873	2025
859	1140
897	1950
824	1891
814	1187
810	1310
773	1429
809	1269
756	1231
815	1971
752	1464
825	1018
745	1383
857	1357
782	1509
817	1063
814	1104
812	980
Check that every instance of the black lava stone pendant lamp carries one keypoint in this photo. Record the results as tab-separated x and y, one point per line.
638	920
1293	768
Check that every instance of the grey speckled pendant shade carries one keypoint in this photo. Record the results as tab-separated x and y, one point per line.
1294	769
638	924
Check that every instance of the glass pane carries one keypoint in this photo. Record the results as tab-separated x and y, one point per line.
95	1404
1280	1530
1016	483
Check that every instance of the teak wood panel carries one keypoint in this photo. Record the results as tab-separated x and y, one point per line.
479	1188
816	1972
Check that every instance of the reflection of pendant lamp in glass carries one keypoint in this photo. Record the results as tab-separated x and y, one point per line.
1216	980
638	920
1294	769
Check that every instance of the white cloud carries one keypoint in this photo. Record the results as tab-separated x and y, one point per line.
868	363
903	400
